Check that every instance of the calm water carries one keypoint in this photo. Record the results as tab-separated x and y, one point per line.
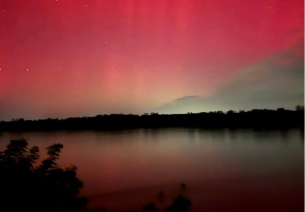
263	168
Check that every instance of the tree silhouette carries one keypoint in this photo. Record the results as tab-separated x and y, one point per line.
36	188
256	118
180	203
299	107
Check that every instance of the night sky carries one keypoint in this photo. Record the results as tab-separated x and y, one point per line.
64	58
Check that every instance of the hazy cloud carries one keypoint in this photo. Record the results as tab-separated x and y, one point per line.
267	84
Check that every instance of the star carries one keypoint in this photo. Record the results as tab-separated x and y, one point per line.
27	69
106	42
0	69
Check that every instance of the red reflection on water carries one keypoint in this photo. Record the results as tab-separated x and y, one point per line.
223	170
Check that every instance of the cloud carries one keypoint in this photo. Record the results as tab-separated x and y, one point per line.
267	84
187	98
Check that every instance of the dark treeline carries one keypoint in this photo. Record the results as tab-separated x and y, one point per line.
273	119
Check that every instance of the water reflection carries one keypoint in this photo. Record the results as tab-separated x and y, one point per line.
218	160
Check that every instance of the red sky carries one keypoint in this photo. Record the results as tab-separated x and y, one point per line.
61	58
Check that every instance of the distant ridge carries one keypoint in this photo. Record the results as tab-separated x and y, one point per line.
257	118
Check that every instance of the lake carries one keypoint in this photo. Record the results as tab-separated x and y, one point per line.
224	170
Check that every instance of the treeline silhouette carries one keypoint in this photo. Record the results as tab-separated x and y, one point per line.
25	186
257	118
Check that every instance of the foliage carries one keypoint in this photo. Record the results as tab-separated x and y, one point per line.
37	188
181	203
300	108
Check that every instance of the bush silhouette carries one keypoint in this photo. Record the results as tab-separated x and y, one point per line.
36	188
181	203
